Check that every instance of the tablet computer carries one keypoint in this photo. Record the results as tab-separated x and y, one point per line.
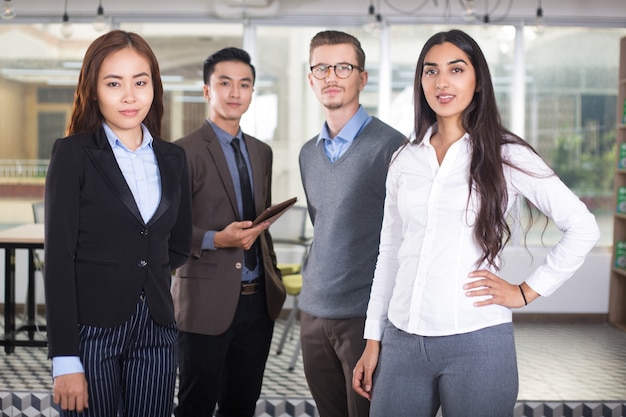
271	214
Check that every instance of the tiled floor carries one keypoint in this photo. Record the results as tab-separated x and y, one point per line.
558	362
571	362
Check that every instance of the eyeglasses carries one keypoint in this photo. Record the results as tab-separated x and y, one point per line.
321	71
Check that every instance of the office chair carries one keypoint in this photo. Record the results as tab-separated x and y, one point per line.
293	285
38	217
291	230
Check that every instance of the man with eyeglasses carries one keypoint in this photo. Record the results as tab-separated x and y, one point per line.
343	171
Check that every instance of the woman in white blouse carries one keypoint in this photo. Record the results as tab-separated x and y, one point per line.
439	323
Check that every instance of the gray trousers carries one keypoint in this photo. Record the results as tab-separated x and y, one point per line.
468	375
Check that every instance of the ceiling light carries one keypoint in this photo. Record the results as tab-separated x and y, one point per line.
486	19
8	12
539	20
469	14
374	20
66	27
100	24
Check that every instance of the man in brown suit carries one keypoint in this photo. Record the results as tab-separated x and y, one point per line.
228	294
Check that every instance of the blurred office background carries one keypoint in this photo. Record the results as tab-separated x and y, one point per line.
554	64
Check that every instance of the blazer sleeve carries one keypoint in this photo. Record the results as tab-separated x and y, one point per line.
180	236
62	193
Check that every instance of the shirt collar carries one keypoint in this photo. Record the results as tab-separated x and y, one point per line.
224	137
114	141
430	132
350	130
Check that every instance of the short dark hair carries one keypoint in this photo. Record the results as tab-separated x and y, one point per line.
226	54
335	37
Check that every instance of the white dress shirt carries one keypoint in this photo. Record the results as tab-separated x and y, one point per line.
427	245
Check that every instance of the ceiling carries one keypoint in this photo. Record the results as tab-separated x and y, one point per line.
555	12
31	52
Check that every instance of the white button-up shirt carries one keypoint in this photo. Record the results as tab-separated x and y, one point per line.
427	245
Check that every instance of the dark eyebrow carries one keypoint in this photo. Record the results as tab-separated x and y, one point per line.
454	61
141	74
226	77
330	65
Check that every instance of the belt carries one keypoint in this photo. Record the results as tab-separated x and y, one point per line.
251	287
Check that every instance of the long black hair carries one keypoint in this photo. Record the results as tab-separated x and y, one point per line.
481	120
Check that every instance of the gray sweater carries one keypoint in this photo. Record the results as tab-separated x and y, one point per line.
345	201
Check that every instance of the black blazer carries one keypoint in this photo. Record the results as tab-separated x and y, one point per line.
99	253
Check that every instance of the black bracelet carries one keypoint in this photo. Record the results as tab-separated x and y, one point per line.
523	295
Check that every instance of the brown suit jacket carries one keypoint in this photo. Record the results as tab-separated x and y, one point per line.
207	288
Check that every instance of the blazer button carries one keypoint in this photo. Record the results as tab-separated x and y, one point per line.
142	264
238	265
144	232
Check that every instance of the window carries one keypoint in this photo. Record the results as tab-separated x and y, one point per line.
570	92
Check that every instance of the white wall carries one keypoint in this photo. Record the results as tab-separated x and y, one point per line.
586	292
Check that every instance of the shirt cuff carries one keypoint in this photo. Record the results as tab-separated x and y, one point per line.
62	365
374	329
208	241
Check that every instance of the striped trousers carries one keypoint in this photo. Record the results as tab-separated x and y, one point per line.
130	369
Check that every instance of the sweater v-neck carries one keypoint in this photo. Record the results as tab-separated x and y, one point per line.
347	152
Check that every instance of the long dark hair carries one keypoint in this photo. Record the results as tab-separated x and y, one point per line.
86	115
481	120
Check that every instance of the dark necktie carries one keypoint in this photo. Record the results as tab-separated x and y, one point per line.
246	198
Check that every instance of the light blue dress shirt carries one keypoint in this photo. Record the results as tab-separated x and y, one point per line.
141	172
337	146
208	241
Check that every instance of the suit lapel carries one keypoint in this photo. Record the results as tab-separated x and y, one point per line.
104	160
168	168
217	154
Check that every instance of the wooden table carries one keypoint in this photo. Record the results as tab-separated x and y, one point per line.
31	237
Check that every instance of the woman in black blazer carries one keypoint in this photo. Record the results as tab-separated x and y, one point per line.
118	221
